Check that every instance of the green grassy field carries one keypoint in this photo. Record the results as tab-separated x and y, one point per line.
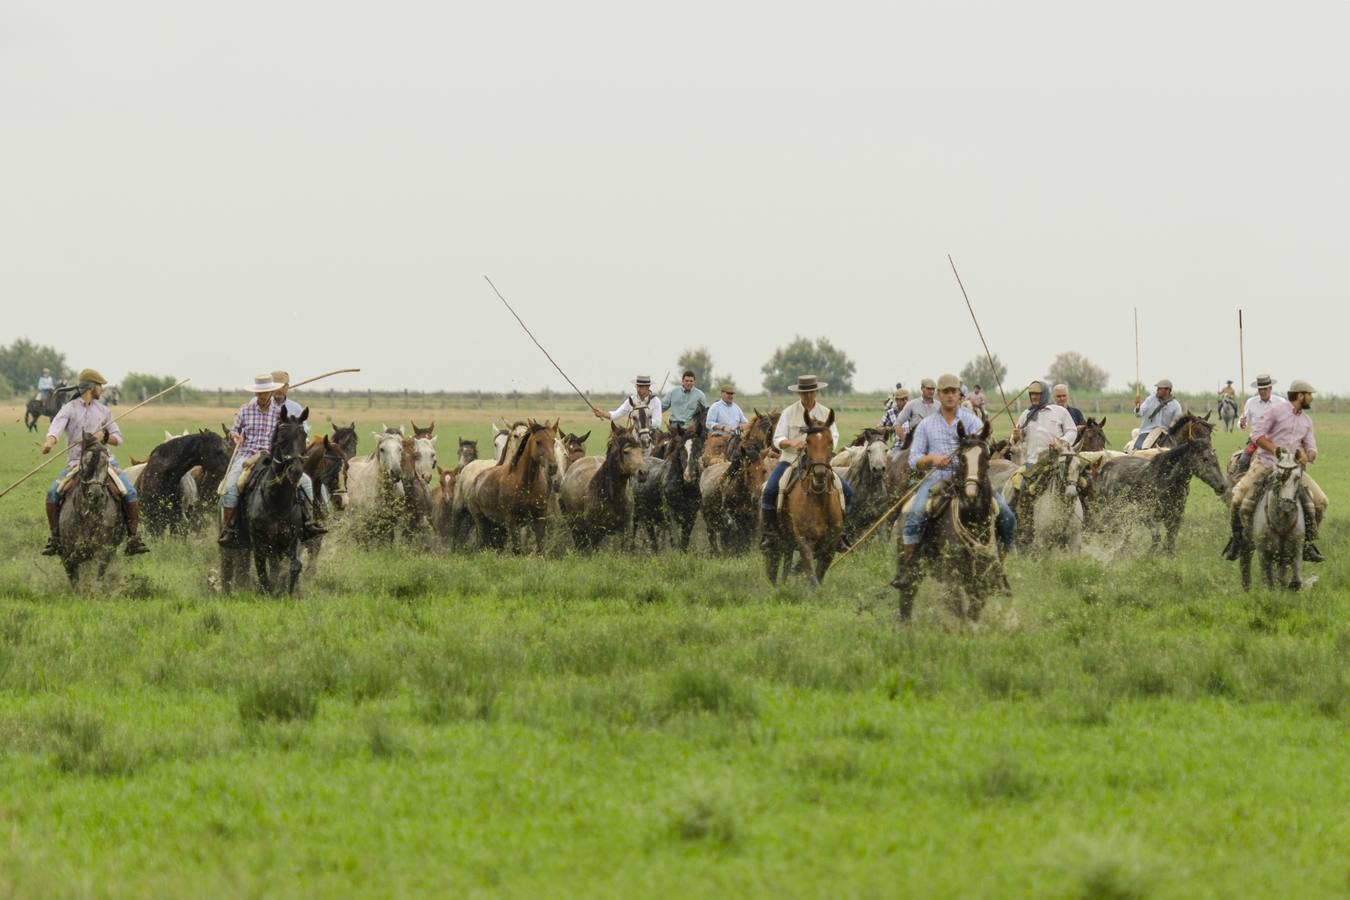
419	723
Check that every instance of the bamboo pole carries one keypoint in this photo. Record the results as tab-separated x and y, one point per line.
993	369
1242	357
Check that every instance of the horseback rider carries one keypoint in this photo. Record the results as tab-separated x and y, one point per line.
1041	426
1228	391
890	420
1158	410
1252	412
254	425
916	410
977	400
85	415
682	402
724	416
643	409
45	385
1289	426
934	451
1061	395
793	422
293	409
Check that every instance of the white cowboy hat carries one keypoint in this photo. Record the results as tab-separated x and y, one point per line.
264	384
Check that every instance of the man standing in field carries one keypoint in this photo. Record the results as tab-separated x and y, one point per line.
85	415
1289	426
682	402
786	439
1157	411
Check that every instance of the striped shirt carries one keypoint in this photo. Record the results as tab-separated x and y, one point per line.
256	426
76	419
936	436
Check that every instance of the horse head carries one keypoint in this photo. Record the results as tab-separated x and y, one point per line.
876	451
1287	481
625	449
818	451
288	440
388	453
972	463
344	436
1091	435
446	479
420	432
467	451
424	448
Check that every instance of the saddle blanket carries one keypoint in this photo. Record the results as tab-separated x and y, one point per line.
838	490
72	477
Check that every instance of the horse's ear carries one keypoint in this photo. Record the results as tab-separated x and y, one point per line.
829	420
1208	413
1102	423
615	429
755	410
377	435
584	437
960	429
304	414
353	425
326	445
987	430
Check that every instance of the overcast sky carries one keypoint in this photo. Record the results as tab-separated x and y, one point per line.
212	190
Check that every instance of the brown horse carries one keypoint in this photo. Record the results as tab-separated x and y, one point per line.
442	502
1091	436
594	496
516	493
812	508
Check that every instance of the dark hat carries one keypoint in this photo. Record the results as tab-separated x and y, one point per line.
807	383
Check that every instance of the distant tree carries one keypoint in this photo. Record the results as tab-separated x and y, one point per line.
6	389
1078	372
801	357
977	371
22	362
698	360
137	385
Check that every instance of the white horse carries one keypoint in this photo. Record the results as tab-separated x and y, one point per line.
425	462
369	476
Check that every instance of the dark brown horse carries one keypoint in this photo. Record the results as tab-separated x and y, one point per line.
1091	436
594	497
516	493
161	485
960	541
812	510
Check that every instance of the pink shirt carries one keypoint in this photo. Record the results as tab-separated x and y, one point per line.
1285	427
76	419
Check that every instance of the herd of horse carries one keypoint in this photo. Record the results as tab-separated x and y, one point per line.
650	486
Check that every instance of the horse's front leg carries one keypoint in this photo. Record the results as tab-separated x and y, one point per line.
296	567
540	525
260	567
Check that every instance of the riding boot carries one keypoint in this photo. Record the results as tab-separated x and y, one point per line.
309	526
228	534
1310	527
768	536
904	563
135	545
1234	548
53	523
846	538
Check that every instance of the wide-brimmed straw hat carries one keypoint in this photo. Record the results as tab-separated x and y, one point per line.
265	383
643	381
807	383
282	376
1263	381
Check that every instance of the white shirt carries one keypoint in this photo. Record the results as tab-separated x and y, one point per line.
792	424
1256	408
1053	425
626	408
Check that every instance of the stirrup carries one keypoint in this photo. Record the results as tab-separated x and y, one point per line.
312	529
228	535
1233	550
53	547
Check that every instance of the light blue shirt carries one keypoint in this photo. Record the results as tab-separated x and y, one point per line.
934	435
727	415
680	405
45	383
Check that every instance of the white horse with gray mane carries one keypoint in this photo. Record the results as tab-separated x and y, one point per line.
1277	527
371	476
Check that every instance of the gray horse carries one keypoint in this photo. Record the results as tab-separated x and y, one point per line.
1228	412
91	524
1277	527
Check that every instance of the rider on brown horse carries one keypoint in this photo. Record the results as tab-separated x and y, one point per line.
793	422
85	415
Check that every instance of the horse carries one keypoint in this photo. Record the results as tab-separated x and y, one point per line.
680	487
36	408
516	492
466	452
812	508
416	494
1156	488
866	472
420	432
649	502
372	478
327	460
442	502
91	524
269	518
897	466
1228	411
1277	527
594	496
1091	436
169	493
424	453
1053	516
960	539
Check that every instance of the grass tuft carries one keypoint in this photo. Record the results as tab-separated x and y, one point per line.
704	819
708	691
1004	779
278	697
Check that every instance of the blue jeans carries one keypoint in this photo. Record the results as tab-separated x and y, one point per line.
230	499
769	499
917	517
54	492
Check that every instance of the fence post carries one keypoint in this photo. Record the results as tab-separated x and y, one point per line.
370	398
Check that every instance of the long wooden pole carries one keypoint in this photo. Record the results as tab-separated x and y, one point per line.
119	416
1242	357
1138	384
862	538
993	369
541	346
324	375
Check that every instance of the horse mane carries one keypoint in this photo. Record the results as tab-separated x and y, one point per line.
535	428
